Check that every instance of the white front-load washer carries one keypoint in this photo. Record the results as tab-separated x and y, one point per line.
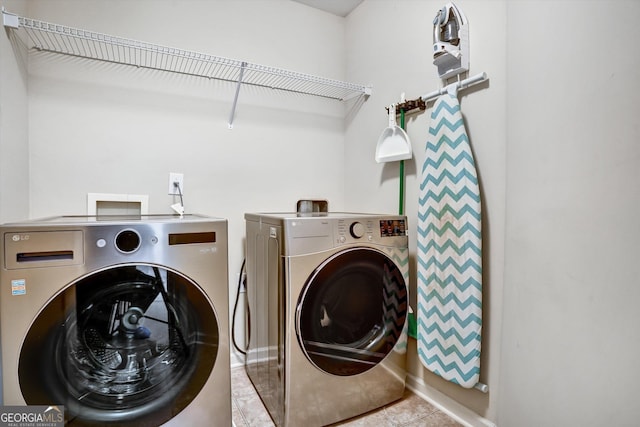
327	309
122	320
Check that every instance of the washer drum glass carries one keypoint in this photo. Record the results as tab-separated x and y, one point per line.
129	345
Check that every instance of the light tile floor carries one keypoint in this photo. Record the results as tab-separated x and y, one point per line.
410	411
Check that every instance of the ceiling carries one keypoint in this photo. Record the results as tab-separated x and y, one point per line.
337	7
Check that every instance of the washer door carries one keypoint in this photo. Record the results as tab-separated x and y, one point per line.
351	312
130	345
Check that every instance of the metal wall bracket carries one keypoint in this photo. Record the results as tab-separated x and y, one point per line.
235	98
10	20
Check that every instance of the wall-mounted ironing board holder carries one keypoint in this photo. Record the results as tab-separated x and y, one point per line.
420	103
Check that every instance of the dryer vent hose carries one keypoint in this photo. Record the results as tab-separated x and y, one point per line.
235	308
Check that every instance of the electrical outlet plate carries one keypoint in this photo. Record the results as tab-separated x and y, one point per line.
176	177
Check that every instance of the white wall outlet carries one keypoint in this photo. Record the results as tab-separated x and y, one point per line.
173	178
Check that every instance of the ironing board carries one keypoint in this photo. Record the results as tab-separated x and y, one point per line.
449	250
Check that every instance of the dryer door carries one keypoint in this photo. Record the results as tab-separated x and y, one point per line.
129	345
351	312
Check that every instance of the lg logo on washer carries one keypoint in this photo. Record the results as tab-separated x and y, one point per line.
20	237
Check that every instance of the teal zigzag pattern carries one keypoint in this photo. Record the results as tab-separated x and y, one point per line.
462	286
449	194
447	209
396	292
450	262
451	160
449	251
453	350
458	301
437	180
435	146
394	298
464	339
449	244
449	228
452	317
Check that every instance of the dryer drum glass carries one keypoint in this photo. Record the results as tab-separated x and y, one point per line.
352	311
132	338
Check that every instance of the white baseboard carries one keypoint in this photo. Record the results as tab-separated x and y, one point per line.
446	404
236	360
441	401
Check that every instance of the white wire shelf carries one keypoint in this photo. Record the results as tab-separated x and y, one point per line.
103	47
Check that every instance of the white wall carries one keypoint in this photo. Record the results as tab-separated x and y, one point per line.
14	155
389	44
570	343
554	134
557	125
106	128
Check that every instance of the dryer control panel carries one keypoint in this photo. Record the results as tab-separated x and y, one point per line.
311	233
374	230
393	227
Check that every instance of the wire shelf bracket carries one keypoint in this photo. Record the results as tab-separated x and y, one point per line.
71	41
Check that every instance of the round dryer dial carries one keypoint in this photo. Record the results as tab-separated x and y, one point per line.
357	230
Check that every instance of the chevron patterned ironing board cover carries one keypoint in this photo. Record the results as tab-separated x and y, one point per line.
449	250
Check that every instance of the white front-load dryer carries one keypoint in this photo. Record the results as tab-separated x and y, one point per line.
327	309
121	320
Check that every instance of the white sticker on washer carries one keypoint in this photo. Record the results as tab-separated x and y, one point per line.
18	287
